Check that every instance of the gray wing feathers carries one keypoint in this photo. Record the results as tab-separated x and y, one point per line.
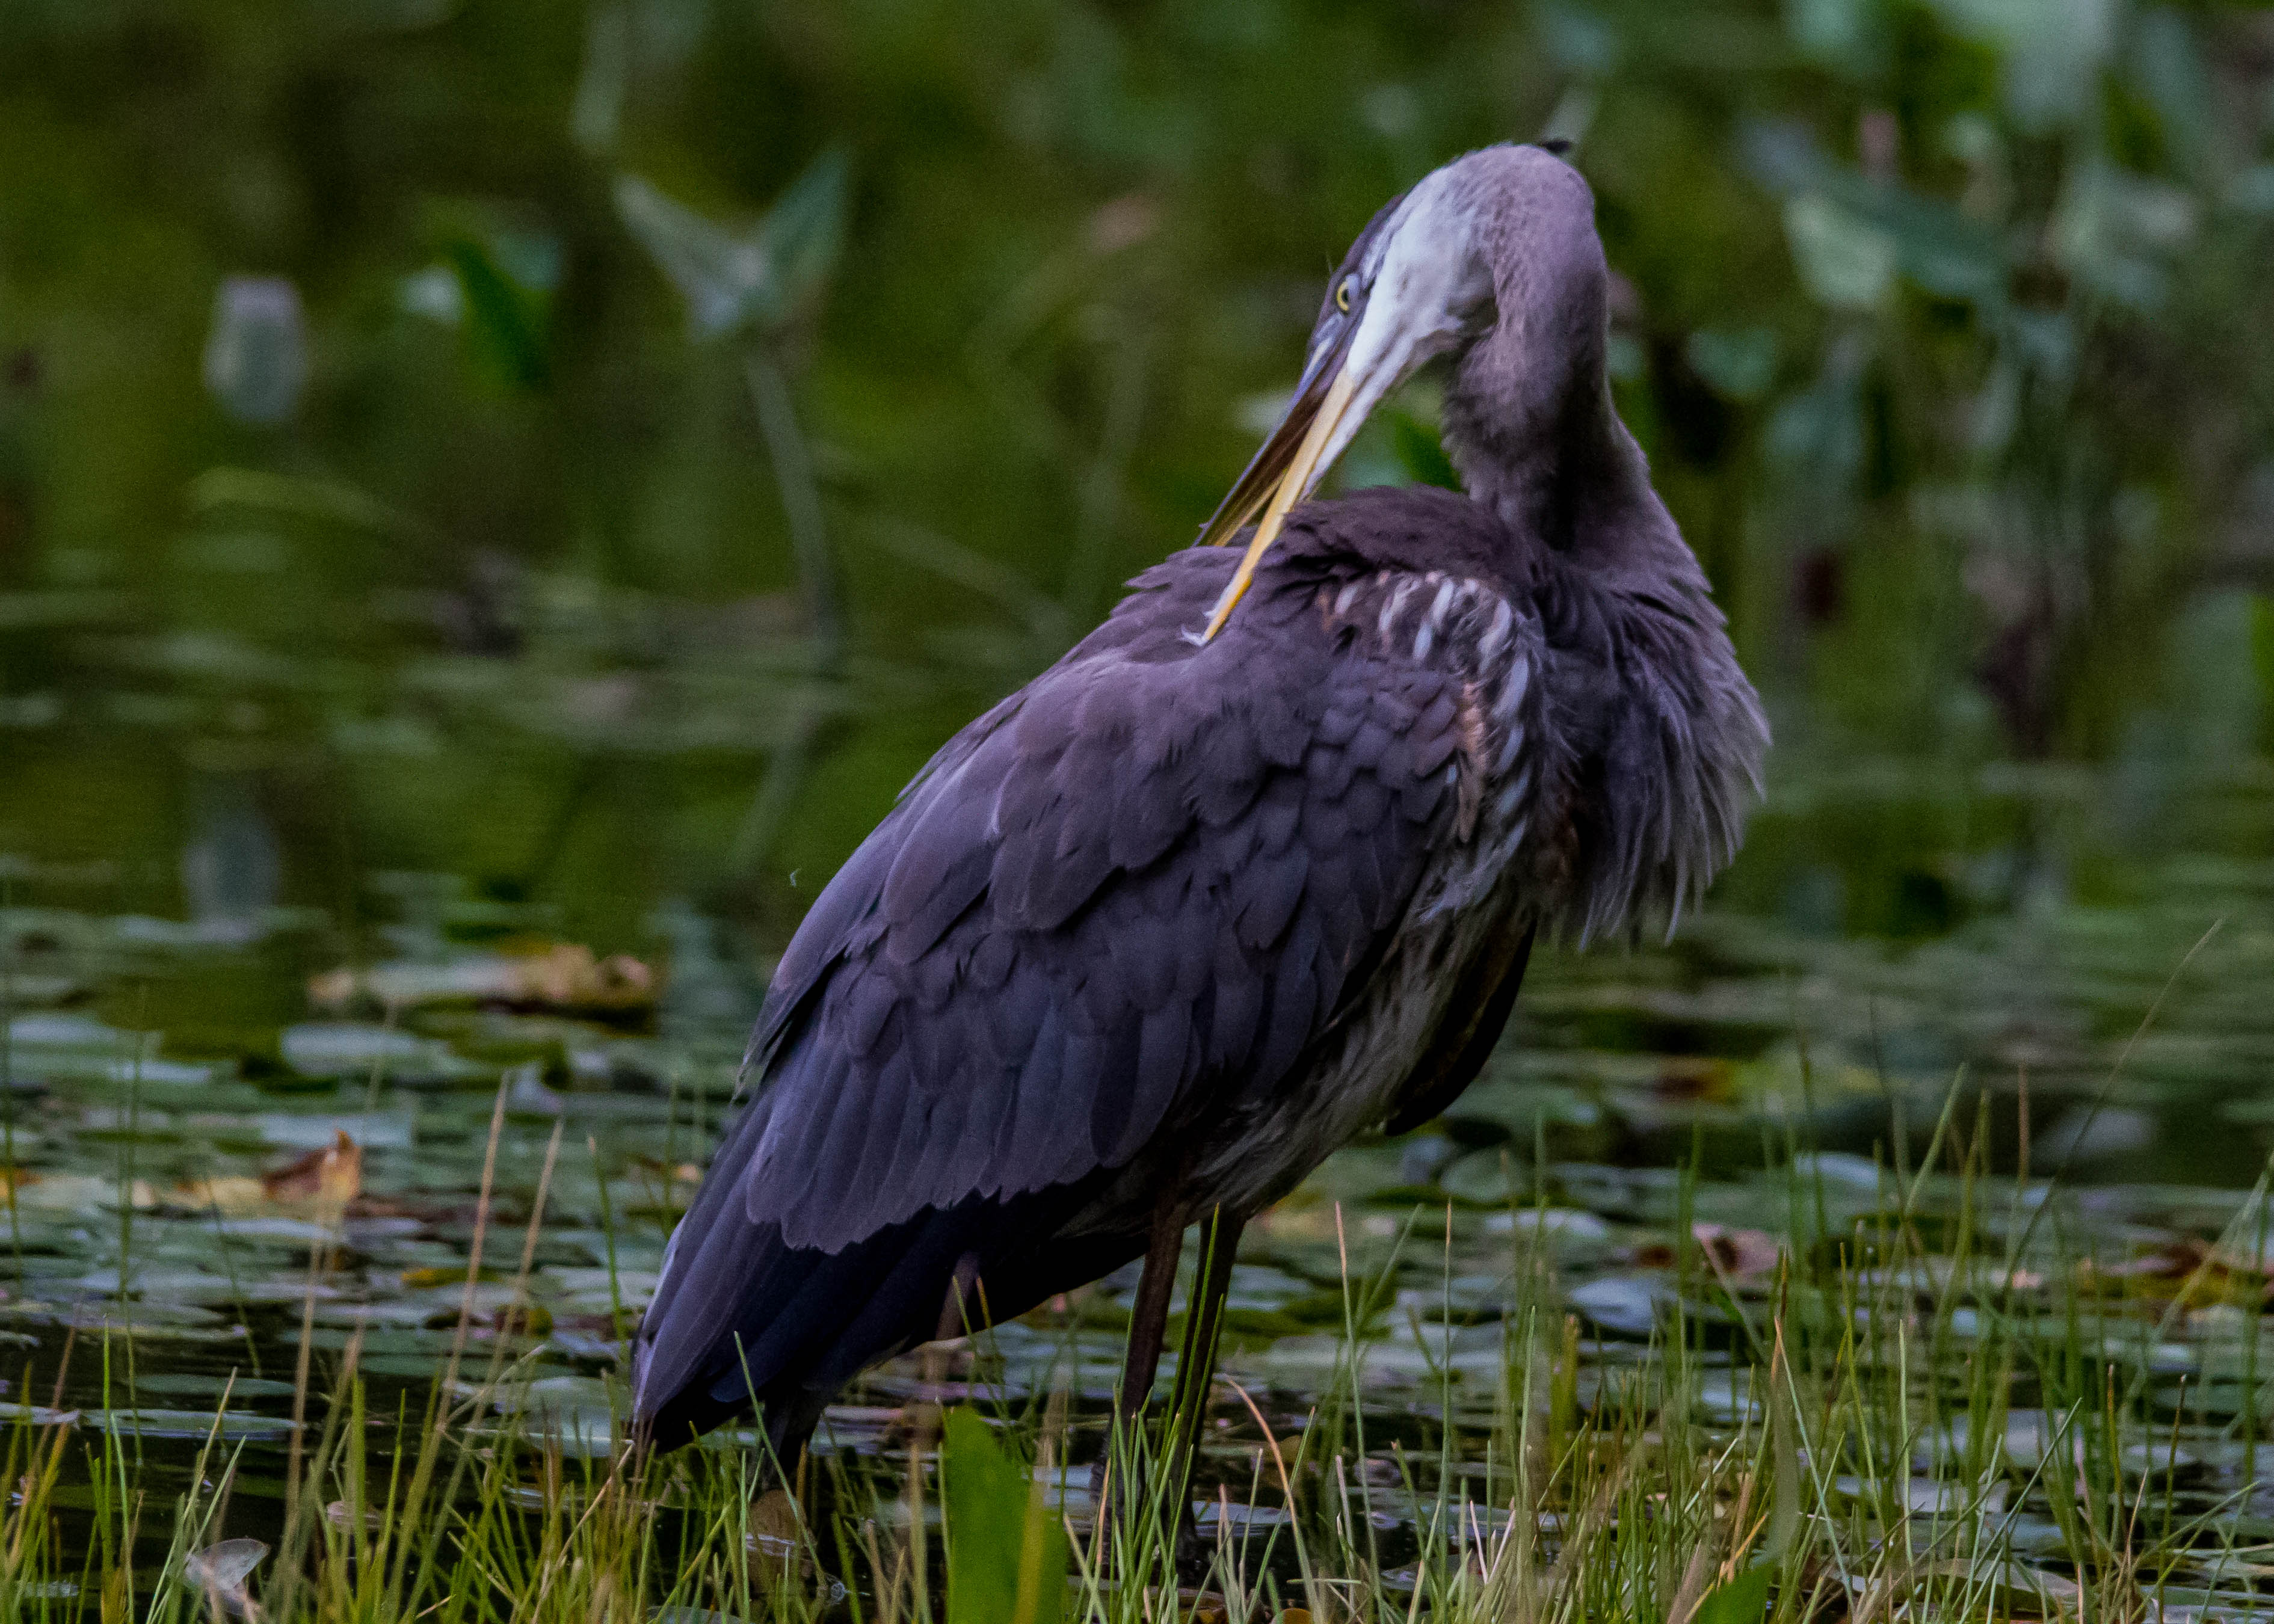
1152	873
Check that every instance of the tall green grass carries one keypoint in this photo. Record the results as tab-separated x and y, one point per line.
1938	1407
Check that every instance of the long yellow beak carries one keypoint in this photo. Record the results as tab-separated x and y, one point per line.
1276	495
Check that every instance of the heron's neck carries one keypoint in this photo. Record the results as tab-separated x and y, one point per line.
1558	465
1545	449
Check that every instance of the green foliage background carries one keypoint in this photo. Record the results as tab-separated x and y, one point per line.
1945	325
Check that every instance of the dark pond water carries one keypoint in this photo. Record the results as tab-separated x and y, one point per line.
253	912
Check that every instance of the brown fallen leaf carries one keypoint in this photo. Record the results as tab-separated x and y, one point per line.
320	1185
332	990
2175	1259
547	976
429	1276
1739	1253
775	1545
1694	1079
326	1179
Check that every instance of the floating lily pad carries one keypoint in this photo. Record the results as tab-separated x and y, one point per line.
30	1034
196	1384
345	1049
1563	1226
297	1232
1488	1177
370	1129
189	1424
1627	1304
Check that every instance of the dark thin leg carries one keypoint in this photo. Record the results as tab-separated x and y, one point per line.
1196	1362
956	1318
960	1310
1148	1321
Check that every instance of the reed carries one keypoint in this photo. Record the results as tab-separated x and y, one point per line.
1931	1408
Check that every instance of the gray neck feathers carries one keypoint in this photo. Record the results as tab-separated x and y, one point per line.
1671	739
1671	733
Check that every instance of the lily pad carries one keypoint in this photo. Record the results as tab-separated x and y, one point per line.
197	1384
1626	1305
189	1423
349	1050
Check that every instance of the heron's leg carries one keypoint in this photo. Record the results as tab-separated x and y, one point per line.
961	1312
963	1309
1196	1362
1149	1318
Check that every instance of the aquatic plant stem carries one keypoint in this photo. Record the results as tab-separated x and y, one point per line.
301	1370
10	1171
608	1237
801	500
817	576
481	1233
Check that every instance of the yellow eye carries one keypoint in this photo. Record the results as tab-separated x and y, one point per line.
1343	295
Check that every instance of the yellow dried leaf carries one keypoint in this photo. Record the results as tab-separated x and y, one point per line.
231	1194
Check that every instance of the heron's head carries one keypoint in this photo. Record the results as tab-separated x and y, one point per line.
1497	245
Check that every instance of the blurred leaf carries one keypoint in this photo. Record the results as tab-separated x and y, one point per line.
1742	1600
1739	364
505	318
1580	41
2051	52
1834	31
231	866
802	235
256	360
2252	192
2117	231
716	273
1489	1178
233	1559
1855	230
1006	1551
297	495
598	110
2169	67
19	611
1844	261
433	293
764	279
1821	429
219	1571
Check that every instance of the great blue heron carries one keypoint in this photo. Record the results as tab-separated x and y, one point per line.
1257	867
